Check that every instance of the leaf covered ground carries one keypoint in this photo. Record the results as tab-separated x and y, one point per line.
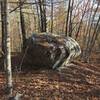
77	81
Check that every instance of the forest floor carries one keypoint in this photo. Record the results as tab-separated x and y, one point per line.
78	81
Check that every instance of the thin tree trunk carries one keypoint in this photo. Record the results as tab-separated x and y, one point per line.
22	23
2	23
42	15
76	7
81	19
70	22
67	19
7	51
44	18
37	9
51	16
87	34
93	39
89	22
90	28
88	42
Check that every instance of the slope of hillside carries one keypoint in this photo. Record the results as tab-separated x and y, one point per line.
77	81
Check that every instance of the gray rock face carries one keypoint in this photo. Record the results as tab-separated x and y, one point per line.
50	51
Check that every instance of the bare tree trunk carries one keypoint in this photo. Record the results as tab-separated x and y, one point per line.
2	22
89	40
70	22
82	19
89	22
22	23
42	15
7	50
67	19
86	37
37	9
93	39
44	18
51	16
90	28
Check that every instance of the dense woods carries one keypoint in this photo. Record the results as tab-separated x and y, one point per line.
78	19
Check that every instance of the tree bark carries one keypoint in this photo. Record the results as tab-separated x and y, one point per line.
67	19
77	33
87	32
7	50
37	9
42	15
89	39
70	21
93	39
2	26
22	24
51	16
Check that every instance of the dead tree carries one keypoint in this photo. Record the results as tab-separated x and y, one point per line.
22	25
51	16
76	8
67	18
70	21
2	52
42	8
89	26
95	34
93	39
38	15
76	15
87	35
7	49
2	23
90	38
83	14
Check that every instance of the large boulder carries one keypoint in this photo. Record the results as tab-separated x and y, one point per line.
49	51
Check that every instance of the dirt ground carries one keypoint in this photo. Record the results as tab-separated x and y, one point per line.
76	82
